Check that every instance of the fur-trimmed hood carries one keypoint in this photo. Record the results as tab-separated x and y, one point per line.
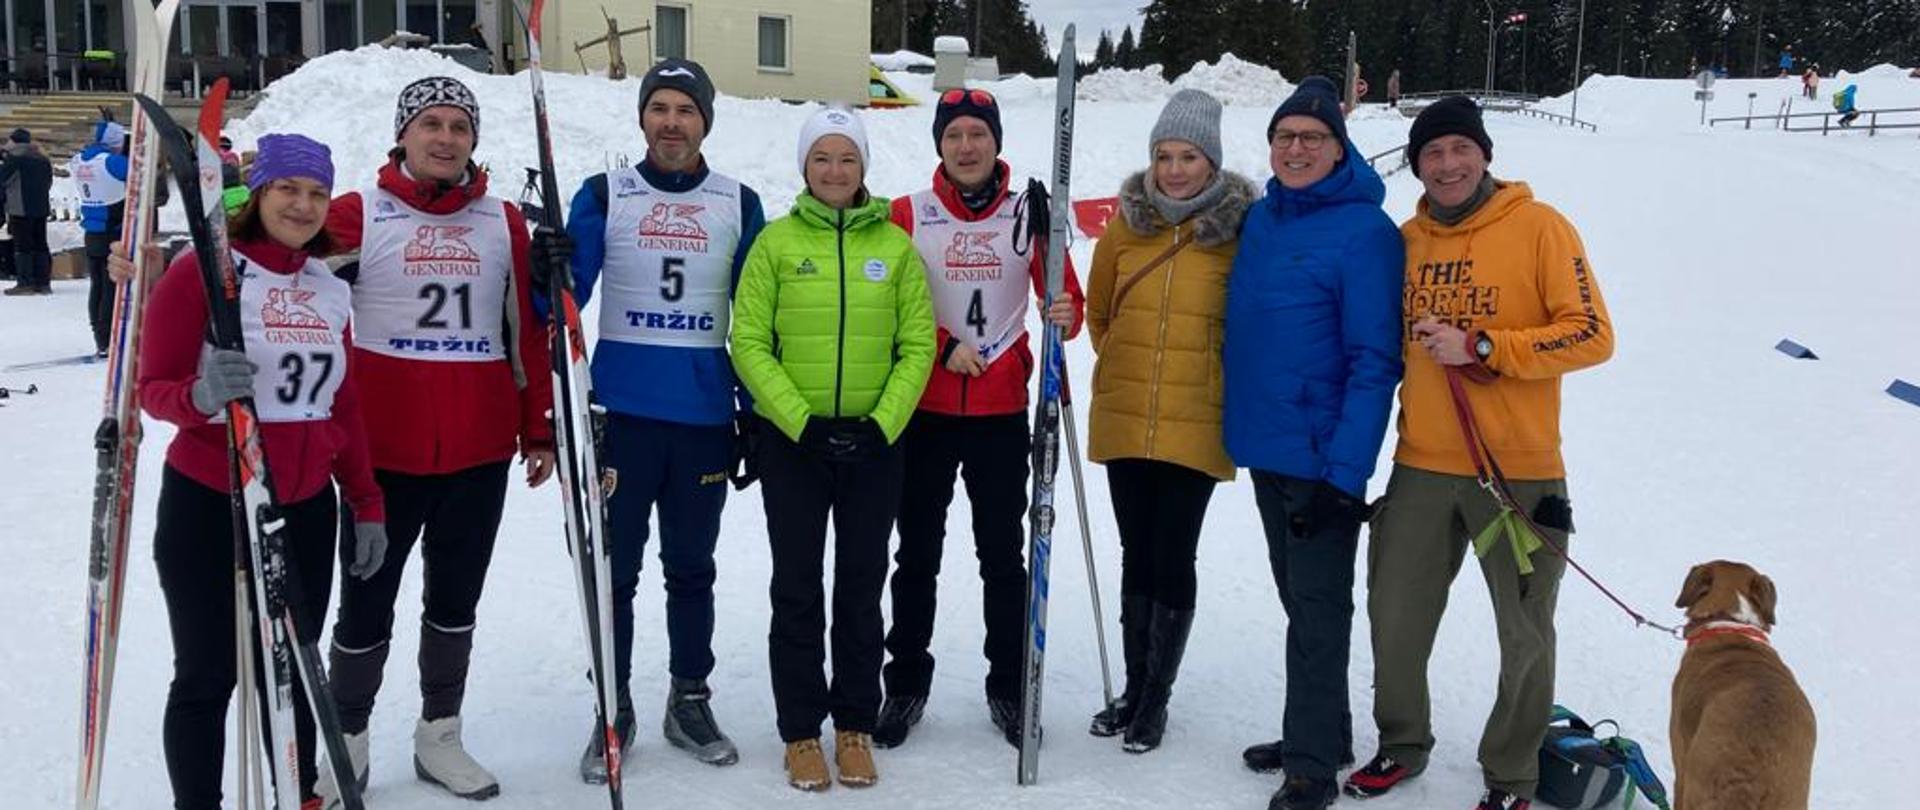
1215	225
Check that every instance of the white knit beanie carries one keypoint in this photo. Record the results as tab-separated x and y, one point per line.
835	120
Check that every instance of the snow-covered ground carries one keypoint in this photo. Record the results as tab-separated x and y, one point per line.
1697	441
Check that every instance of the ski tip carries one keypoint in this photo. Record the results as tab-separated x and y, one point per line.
213	111
154	110
533	17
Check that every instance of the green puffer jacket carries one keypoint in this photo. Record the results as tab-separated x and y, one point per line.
832	318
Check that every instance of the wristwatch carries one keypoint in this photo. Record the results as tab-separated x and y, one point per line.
1483	347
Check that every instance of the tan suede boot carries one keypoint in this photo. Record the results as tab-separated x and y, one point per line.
853	755
807	766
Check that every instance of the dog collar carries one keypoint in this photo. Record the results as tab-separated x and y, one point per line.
1728	629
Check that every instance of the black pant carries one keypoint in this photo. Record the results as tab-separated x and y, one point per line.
32	264
459	515
1314	575
193	550
990	454
801	490
1159	508
683	470
100	289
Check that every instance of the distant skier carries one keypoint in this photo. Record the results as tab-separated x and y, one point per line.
1810	82
1786	61
1843	103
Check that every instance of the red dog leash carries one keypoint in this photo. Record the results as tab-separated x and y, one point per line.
1495	483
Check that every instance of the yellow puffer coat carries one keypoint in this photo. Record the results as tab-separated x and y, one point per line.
1157	386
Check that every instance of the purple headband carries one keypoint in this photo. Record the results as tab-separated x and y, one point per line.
282	156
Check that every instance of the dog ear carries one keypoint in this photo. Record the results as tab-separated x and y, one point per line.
1699	580
1761	593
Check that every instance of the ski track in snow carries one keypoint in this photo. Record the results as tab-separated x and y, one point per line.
1696	441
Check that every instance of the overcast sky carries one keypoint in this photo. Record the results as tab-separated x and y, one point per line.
1090	15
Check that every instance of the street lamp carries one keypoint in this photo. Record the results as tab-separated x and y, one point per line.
1579	41
1490	44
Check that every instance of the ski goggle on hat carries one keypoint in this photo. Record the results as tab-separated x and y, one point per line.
961	102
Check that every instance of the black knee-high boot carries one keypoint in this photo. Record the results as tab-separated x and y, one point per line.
1166	645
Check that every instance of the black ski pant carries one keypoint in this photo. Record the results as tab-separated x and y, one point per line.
1159	508
193	550
682	469
454	518
100	289
1314	575
802	491
990	454
32	264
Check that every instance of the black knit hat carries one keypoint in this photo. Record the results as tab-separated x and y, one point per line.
960	103
21	135
434	91
686	76
1316	97
1453	115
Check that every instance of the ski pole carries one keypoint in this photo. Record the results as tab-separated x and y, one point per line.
7	392
1086	533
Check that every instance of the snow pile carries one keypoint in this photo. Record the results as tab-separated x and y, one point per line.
902	61
1668	104
1122	84
1235	81
1882	71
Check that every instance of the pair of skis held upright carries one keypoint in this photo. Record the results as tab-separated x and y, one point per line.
261	576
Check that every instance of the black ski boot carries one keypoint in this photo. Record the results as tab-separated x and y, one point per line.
1006	717
1135	622
593	761
1167	644
898	715
689	724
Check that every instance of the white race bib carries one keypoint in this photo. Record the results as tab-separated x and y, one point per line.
294	326
980	286
96	185
433	287
668	275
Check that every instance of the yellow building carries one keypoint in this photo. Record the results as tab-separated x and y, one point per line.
786	49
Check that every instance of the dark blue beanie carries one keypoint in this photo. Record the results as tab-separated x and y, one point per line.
1317	97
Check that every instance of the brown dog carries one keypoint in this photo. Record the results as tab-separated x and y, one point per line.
1742	731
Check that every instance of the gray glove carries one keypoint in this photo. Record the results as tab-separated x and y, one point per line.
225	375
369	549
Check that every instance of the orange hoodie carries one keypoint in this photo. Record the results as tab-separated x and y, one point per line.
1516	270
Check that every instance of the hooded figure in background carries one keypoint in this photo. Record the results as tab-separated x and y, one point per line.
27	176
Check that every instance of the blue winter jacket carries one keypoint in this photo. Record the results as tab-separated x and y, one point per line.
1313	329
670	383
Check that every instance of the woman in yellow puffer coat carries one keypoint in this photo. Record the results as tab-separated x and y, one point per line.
1156	307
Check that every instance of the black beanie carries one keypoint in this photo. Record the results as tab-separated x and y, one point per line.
1316	97
686	76
967	104
21	136
1453	115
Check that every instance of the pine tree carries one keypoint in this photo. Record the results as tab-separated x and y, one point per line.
1103	53
1126	55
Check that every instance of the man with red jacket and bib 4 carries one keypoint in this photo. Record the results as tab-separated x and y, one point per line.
453	368
973	417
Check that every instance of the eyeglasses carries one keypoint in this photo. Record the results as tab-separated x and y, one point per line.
1310	141
980	98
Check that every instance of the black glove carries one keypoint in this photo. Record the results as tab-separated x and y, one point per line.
746	451
1554	512
549	250
846	439
1329	509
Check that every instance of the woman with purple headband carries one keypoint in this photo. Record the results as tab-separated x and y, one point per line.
294	316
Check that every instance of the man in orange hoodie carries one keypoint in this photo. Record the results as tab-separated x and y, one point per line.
1499	288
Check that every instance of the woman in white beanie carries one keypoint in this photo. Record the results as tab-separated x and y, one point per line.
833	334
1156	306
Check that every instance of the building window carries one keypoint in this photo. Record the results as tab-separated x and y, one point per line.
671	22
773	43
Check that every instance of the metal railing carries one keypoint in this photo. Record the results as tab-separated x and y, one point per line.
1497	101
1398	155
1783	121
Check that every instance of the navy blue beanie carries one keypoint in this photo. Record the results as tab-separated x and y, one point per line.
1317	97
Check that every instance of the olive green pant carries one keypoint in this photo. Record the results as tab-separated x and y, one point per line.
1421	534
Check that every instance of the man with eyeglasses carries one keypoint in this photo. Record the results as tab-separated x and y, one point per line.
1312	356
972	419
